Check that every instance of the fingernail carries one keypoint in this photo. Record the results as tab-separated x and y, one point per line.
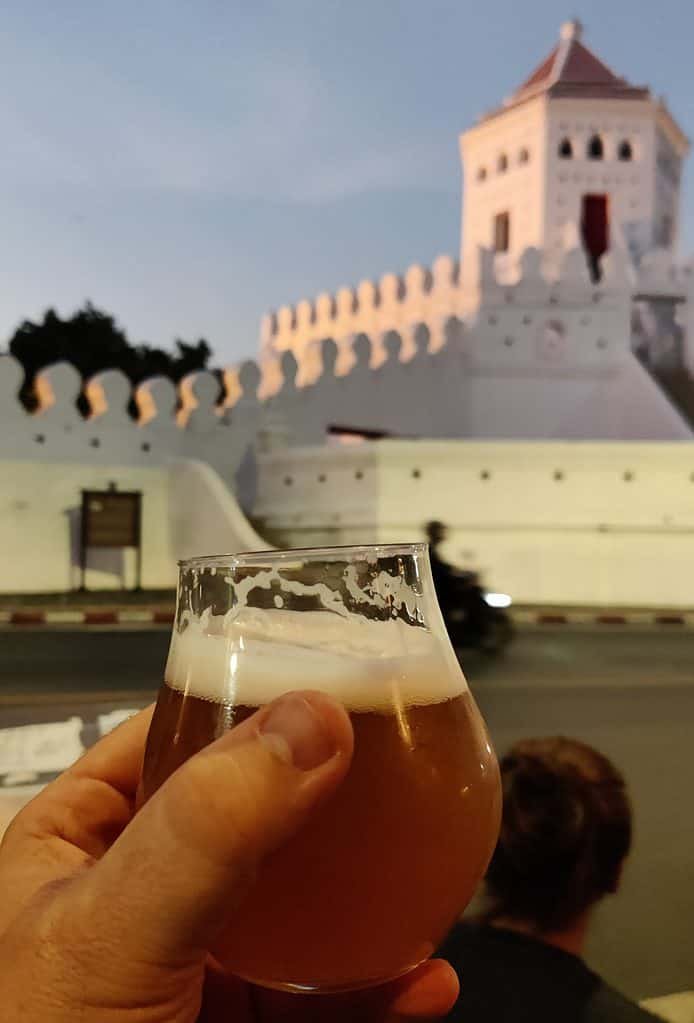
296	733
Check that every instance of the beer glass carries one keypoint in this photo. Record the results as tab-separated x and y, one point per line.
370	886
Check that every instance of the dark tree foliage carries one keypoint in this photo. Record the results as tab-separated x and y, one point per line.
92	341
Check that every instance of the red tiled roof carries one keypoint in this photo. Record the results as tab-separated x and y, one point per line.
575	65
542	72
583	67
571	69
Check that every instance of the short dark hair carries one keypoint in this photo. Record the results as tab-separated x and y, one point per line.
566	829
435	529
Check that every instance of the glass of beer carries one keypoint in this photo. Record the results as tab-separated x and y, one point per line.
395	855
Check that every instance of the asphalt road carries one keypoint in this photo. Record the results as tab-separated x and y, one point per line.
629	692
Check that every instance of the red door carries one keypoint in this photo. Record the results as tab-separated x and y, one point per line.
595	228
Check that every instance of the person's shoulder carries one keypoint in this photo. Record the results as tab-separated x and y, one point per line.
460	934
468	929
608	1005
467	941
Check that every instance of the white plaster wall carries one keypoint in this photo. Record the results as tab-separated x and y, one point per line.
57	432
666	186
628	185
609	524
187	510
39	527
204	516
519	190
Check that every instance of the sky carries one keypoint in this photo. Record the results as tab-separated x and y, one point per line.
188	165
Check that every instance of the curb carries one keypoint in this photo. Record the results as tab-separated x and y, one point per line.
101	616
527	616
521	616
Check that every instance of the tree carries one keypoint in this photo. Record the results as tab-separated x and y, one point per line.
92	341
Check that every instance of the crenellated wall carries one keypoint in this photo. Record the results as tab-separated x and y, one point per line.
394	302
542	359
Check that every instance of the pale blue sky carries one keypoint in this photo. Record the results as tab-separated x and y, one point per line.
188	164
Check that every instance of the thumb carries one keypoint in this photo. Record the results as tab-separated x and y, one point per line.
170	881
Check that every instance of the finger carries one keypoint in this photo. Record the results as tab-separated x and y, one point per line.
117	758
114	761
90	803
172	877
427	992
77	817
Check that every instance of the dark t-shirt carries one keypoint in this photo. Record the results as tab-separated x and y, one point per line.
507	977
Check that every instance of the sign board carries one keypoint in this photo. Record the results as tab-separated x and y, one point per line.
111	518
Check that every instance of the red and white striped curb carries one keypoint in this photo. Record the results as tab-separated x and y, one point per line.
93	616
522	616
588	616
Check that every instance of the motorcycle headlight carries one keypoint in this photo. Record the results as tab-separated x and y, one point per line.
497	599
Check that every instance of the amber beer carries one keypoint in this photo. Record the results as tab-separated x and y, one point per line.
370	886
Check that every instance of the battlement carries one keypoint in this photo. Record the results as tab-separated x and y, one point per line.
542	356
394	302
426	295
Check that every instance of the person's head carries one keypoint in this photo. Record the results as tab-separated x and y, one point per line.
565	832
436	532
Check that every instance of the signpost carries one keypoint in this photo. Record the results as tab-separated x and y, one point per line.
111	518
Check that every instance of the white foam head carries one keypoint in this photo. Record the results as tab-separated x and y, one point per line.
251	656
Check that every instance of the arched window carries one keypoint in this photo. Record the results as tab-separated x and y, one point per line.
482	174
524	156
502	164
566	150
596	150
625	151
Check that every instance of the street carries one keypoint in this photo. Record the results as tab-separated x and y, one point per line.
630	692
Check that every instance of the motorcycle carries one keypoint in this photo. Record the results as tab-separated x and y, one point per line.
476	618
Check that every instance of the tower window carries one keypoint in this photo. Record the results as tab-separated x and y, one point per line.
665	232
502	164
482	174
595	228
566	150
596	150
625	152
502	232
524	156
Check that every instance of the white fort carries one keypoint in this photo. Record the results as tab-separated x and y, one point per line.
576	170
537	394
575	154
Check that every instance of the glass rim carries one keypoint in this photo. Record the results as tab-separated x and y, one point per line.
332	553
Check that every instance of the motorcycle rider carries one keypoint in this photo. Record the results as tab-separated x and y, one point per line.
457	589
446	579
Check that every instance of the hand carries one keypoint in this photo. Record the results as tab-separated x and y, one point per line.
107	915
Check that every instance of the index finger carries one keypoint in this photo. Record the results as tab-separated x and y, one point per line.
115	761
78	816
117	758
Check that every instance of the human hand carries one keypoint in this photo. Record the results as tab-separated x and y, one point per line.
108	915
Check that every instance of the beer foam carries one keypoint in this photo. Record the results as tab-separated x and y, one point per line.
251	656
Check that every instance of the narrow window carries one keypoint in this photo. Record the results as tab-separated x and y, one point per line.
502	232
596	150
595	230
